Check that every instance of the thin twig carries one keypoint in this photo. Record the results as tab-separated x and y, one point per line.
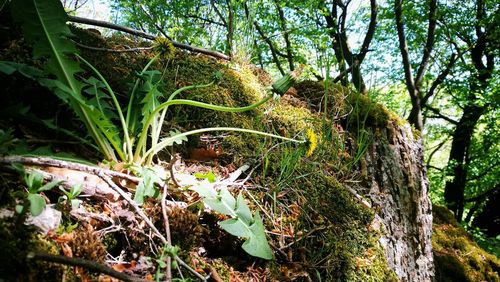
139	211
87	264
147	36
137	49
148	222
43	161
167	228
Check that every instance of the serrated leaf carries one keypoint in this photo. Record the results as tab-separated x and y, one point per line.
235	227
44	25
257	244
178	139
37	204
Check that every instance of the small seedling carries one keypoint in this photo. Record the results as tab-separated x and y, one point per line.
34	183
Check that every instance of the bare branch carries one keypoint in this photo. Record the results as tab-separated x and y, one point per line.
429	44
440	115
87	264
267	40
403	47
440	79
142	34
370	33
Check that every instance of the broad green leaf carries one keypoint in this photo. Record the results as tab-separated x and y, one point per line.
243	211
34	181
257	244
146	187
236	227
37	204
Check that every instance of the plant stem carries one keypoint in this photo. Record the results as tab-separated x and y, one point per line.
142	139
155	134
123	156
168	141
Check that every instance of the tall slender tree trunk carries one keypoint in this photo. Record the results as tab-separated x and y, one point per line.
455	189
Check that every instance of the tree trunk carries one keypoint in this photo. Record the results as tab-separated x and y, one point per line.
454	189
398	189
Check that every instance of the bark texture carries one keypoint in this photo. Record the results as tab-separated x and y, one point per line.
398	189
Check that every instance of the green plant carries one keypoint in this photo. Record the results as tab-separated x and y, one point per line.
70	196
242	223
93	99
167	251
35	202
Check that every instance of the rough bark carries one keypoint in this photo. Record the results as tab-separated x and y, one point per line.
398	189
462	136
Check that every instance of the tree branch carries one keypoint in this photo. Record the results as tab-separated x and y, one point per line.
87	264
403	48
440	115
142	34
288	45
440	79
267	40
429	44
370	33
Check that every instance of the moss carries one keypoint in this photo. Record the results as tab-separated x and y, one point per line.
372	265
326	204
16	243
457	257
289	121
314	93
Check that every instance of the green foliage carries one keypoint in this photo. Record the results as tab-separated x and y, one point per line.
241	224
48	31
70	196
35	202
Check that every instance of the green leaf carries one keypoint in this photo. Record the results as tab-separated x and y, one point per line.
76	190
37	204
28	71
257	244
146	187
49	186
210	176
34	180
242	223
235	227
19	209
243	211
44	25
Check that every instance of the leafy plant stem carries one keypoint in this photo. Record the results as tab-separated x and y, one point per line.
132	95
142	139
120	114
155	135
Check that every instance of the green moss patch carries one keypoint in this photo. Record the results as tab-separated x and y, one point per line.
457	257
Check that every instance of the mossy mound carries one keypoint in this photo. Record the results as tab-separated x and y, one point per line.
457	257
327	229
